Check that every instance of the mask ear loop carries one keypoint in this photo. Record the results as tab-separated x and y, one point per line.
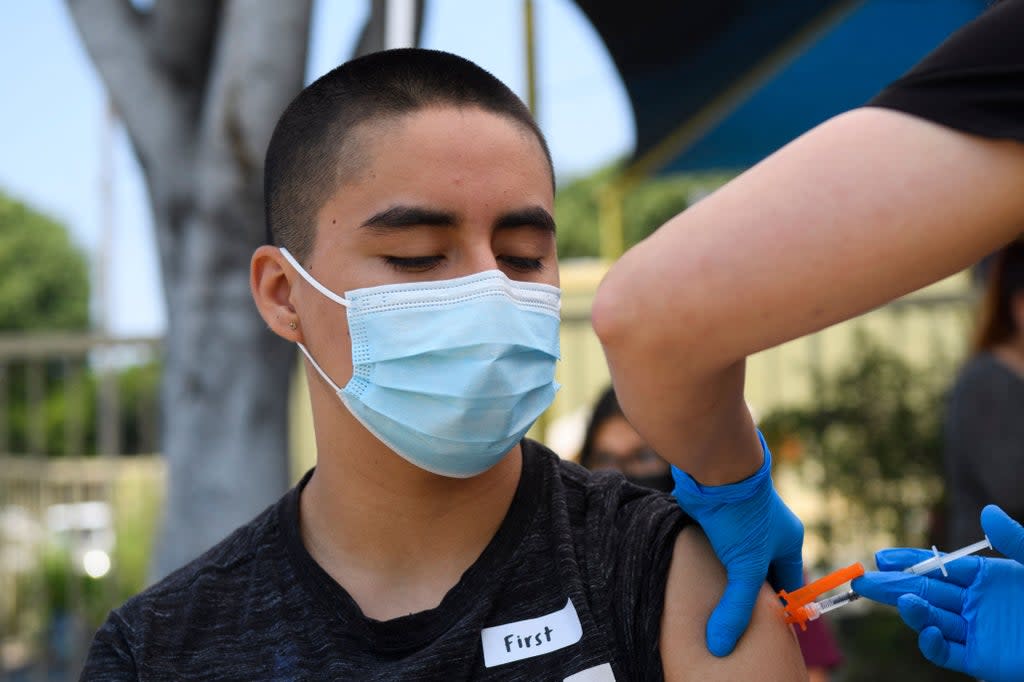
319	370
329	294
312	282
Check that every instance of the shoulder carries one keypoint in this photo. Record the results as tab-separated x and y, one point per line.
604	488
193	595
246	544
768	649
983	364
623	537
982	373
602	499
185	613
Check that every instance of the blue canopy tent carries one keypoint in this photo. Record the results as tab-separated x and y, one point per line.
722	85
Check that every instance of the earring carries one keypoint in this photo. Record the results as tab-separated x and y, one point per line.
293	326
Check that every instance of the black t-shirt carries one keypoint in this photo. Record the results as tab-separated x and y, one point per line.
572	584
984	445
974	81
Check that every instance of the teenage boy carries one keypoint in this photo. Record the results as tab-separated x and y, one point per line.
410	197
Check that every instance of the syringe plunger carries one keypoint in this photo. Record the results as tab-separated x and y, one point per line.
940	560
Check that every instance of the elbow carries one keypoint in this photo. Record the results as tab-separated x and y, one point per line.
631	315
637	322
629	320
610	314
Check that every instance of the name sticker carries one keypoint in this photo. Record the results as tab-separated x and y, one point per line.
599	673
531	637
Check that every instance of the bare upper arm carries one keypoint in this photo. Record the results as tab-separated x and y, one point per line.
862	209
767	651
866	207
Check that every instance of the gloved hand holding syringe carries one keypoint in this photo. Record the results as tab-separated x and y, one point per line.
801	608
968	610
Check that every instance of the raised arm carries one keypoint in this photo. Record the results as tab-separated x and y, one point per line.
862	209
866	207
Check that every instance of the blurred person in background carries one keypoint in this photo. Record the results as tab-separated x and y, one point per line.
984	429
610	443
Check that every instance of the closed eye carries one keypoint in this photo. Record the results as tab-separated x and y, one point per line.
522	264
414	264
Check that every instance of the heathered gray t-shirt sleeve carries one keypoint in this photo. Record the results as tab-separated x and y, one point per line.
572	582
110	657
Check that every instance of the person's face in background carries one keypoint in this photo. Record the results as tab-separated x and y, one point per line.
617	446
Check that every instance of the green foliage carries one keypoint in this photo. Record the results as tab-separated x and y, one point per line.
645	207
872	435
874	431
70	406
54	606
878	646
44	287
139	395
44	278
67	590
576	214
137	508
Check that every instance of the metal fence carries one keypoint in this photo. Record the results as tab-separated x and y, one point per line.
78	481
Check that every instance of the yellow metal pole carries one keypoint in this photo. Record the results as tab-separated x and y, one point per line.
531	56
610	220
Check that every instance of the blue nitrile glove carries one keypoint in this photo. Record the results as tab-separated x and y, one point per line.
749	528
972	620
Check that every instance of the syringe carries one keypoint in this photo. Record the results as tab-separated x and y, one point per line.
816	609
940	560
800	605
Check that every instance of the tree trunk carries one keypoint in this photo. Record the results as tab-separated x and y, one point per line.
199	86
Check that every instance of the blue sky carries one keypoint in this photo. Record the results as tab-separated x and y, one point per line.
54	111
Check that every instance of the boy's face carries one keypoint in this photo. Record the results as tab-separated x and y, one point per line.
443	193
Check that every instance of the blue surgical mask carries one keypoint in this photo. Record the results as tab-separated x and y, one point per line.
449	374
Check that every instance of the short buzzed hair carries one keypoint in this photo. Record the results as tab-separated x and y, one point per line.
313	149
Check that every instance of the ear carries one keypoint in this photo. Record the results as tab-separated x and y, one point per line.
271	285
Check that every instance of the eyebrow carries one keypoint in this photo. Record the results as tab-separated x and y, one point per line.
398	217
402	217
533	216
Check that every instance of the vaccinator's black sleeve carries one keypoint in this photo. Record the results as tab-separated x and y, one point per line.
974	81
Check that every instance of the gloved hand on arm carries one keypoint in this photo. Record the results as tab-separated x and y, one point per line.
750	529
972	620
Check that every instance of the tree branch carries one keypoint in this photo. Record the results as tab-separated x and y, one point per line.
250	85
180	41
115	37
257	68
